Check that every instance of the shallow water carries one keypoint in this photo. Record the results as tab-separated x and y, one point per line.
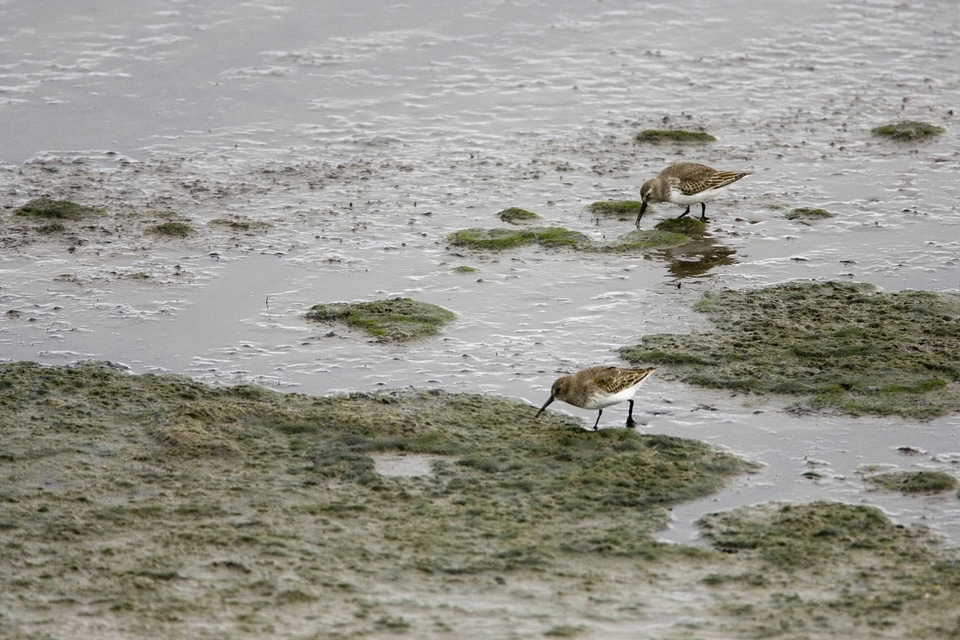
365	134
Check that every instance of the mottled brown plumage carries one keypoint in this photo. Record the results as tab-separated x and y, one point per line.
598	387
687	183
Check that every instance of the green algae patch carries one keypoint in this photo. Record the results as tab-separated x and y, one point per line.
50	209
687	226
502	239
172	229
392	320
844	347
908	131
618	208
657	136
515	215
914	481
115	503
263	494
807	213
799	534
830	570
465	269
558	237
791	212
640	240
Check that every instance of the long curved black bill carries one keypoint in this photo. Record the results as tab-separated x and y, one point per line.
643	207
545	405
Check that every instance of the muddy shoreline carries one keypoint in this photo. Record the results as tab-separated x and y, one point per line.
152	505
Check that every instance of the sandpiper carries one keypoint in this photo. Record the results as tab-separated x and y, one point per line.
598	387
687	183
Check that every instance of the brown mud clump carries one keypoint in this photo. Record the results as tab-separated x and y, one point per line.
393	320
846	347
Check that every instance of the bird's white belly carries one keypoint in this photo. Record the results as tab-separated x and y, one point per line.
601	401
679	197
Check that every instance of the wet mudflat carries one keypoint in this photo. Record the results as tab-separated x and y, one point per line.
327	159
155	505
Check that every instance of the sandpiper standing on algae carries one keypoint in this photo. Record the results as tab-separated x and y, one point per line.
687	183
598	387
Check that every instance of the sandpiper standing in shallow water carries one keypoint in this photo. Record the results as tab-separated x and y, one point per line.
598	387
687	183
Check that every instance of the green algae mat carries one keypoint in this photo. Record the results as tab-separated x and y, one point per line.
908	131
881	574
559	237
841	346
629	210
516	215
507	490
657	136
392	320
154	506
913	481
48	208
620	208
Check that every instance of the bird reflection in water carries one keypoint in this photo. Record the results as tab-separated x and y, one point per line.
697	257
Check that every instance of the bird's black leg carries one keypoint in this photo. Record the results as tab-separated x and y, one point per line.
684	213
599	413
630	423
703	212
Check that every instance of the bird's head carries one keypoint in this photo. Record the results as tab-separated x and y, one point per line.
646	190
557	392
